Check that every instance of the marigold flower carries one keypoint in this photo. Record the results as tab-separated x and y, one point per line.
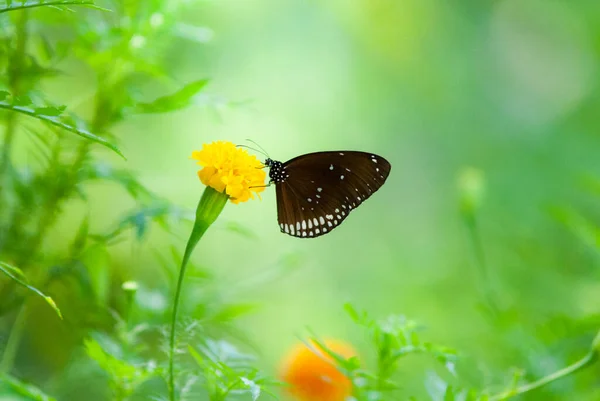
313	375
231	170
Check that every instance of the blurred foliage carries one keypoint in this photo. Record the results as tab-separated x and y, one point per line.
99	99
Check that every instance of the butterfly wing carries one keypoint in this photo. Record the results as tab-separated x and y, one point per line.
322	189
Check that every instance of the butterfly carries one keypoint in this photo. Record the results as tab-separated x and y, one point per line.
317	191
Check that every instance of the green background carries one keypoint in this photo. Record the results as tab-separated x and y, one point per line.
509	88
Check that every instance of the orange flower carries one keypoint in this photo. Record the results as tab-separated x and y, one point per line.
312	374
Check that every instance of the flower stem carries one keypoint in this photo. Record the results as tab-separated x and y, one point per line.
210	206
15	71
587	360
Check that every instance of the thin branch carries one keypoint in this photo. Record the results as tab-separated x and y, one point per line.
53	4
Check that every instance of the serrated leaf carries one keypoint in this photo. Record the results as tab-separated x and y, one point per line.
17	275
177	101
57	121
51	4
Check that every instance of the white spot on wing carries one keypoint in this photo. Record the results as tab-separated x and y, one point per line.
319	189
298	225
331	167
322	220
308	199
309	223
304	233
329	216
337	210
317	231
341	154
341	177
303	225
316	222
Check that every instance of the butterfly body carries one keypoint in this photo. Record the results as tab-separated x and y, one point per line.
317	191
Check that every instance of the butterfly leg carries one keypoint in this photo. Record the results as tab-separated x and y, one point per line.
262	186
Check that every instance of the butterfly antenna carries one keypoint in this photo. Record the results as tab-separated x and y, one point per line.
251	148
261	148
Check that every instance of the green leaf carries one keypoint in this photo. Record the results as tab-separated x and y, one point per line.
141	218
52	4
24	389
17	275
234	311
196	355
104	171
56	120
585	230
117	369
177	101
449	395
50	111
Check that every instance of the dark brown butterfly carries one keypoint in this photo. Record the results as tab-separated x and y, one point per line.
317	191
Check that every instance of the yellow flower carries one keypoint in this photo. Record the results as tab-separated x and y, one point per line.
313	375
231	170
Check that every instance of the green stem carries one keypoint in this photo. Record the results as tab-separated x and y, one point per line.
210	206
587	360
14	339
479	259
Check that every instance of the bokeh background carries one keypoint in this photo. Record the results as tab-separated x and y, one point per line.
508	88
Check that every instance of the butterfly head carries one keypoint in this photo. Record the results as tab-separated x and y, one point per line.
277	172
